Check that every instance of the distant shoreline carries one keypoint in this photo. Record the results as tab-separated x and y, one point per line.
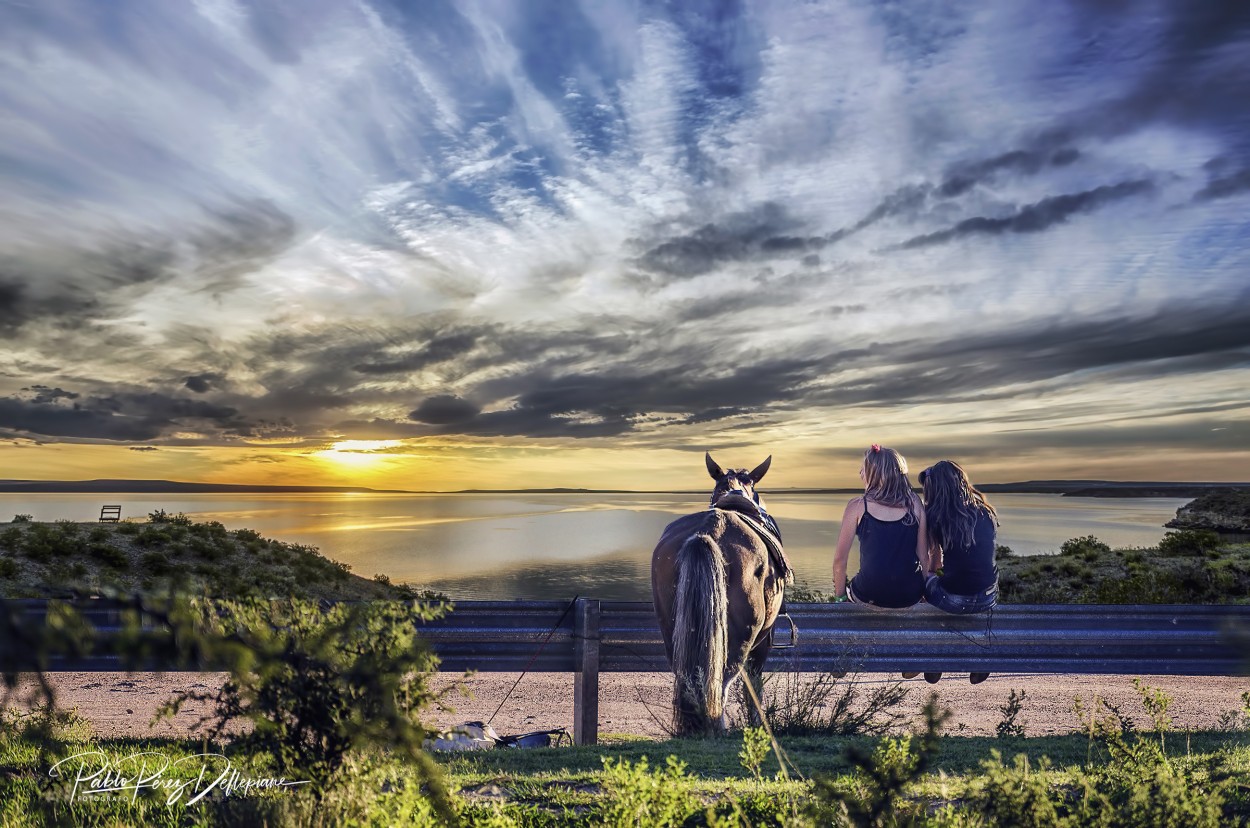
1068	488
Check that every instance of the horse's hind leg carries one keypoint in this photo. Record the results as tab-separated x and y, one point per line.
730	680
753	669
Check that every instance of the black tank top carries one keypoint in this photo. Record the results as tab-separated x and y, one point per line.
971	569
889	572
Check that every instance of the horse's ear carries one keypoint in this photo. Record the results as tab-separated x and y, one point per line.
762	469
716	471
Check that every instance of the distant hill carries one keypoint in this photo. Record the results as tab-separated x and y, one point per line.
1110	488
1071	488
170	487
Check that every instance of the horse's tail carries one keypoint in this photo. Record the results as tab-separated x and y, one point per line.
700	632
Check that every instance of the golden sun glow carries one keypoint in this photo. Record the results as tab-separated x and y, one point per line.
357	453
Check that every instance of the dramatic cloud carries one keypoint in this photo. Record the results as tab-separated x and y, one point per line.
629	223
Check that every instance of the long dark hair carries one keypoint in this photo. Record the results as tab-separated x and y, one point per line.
952	504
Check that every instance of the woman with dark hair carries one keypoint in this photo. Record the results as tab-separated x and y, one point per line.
961	532
890	523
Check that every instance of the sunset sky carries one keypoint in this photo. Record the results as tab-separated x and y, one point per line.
530	243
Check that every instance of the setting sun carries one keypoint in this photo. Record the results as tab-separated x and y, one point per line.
357	453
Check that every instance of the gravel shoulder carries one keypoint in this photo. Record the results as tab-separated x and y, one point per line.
122	705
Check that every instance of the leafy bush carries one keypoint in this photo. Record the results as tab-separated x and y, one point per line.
315	684
42	542
1009	727
109	555
8	567
156	563
151	536
884	777
635	796
161	516
1188	542
22	518
1087	547
757	743
1016	794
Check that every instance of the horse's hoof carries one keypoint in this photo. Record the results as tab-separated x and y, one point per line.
933	678
977	678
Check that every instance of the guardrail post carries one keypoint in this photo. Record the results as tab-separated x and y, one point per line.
586	679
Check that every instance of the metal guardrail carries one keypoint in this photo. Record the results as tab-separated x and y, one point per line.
622	637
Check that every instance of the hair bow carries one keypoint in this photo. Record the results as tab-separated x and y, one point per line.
876	447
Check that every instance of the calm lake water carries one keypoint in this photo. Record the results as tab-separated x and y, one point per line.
553	546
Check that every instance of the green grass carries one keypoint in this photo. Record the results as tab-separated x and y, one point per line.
573	786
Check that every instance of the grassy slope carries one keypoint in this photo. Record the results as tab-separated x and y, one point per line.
54	559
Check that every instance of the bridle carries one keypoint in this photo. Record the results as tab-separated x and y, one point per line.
735	481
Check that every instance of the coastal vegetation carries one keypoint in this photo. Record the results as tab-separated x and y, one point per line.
67	558
1189	566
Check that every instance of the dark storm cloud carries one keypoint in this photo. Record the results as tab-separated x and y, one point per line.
614	402
444	410
18	306
202	383
144	448
1034	218
43	394
77	421
672	377
125	416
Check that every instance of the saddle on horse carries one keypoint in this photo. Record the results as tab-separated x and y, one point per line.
763	524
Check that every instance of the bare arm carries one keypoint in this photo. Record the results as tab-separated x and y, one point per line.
841	553
924	553
935	557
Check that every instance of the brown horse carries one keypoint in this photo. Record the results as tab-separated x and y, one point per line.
717	580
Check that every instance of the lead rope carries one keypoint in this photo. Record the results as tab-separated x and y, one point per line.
537	652
988	634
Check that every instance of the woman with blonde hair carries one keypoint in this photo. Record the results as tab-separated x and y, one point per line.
893	538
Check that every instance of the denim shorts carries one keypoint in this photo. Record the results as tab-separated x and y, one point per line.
959	604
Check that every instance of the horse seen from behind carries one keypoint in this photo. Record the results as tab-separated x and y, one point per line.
717	581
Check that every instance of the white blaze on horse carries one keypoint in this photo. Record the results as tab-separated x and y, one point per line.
718	579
